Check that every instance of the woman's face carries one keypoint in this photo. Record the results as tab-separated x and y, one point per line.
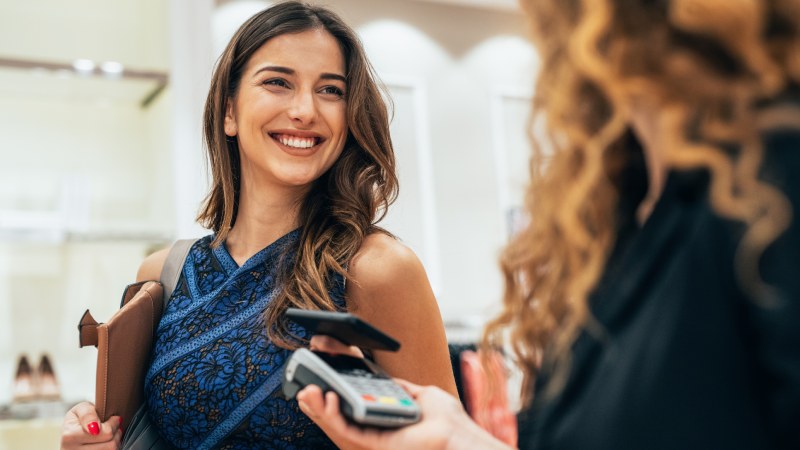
289	114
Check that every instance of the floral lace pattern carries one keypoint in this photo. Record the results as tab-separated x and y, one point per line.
215	379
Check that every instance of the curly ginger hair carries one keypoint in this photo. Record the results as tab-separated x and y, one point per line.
707	64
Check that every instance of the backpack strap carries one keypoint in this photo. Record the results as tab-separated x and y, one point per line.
173	265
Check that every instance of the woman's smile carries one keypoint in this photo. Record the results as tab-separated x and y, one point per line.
297	143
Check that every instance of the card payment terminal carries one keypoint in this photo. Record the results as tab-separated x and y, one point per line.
367	395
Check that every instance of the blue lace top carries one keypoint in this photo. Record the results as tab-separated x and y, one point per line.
215	378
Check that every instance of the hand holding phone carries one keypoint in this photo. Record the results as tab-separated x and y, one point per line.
345	327
368	396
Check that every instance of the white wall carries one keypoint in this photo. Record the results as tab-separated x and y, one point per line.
460	57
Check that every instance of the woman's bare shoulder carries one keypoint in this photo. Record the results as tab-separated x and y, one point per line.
150	269
381	259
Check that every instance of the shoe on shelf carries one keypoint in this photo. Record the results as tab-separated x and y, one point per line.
48	388
24	382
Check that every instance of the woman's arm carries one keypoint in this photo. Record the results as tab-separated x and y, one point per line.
389	289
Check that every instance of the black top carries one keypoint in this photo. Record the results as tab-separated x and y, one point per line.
688	360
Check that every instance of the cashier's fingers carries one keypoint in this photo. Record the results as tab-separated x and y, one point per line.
413	389
332	407
311	400
323	409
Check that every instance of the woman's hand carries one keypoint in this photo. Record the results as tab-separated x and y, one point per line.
83	429
444	423
333	346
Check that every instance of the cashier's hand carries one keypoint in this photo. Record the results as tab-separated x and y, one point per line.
83	429
442	416
330	345
444	423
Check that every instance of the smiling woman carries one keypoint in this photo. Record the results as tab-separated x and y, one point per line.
289	115
303	168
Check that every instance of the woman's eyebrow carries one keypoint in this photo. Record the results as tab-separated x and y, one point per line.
281	69
290	71
333	76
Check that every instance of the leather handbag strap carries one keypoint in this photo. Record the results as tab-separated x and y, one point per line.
173	265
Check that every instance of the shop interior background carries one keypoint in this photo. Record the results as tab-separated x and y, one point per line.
102	159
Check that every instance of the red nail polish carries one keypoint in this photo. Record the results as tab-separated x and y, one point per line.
94	428
120	421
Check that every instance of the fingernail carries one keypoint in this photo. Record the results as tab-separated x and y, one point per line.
94	428
120	421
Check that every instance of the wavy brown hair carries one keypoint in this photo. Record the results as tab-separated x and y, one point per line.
344	204
707	64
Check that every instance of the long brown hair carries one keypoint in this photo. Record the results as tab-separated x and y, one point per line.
346	202
707	64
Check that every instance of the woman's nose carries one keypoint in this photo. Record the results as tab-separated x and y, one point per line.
303	107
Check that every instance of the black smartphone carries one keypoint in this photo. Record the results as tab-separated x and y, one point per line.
345	327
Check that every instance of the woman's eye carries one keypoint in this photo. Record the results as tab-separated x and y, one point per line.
333	90
276	82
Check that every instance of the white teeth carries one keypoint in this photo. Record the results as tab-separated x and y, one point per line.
296	142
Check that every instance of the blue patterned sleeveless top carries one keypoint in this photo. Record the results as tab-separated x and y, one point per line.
215	379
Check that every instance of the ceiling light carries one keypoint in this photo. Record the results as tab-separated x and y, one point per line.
83	66
112	68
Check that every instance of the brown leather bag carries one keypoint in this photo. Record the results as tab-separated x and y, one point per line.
125	341
123	348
